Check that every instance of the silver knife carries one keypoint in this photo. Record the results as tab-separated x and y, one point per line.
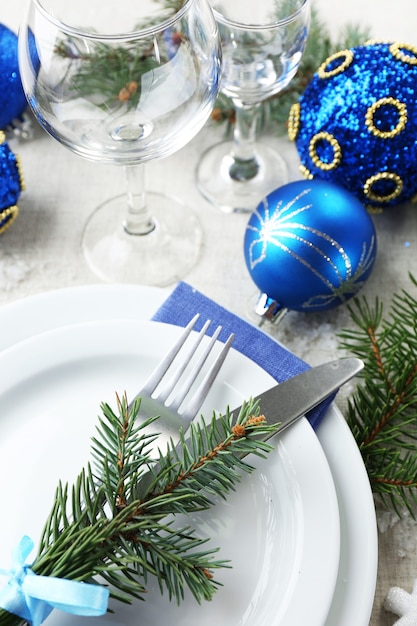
286	402
290	400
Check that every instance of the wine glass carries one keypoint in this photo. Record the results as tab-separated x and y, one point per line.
123	83
262	44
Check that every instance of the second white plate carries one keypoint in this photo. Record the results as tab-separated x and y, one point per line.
280	529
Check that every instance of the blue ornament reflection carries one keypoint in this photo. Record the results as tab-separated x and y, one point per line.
310	245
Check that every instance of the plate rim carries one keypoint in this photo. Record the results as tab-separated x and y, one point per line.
355	589
319	527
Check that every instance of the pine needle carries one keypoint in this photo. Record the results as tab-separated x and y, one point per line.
382	412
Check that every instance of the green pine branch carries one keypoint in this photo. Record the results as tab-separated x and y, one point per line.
118	522
382	412
109	75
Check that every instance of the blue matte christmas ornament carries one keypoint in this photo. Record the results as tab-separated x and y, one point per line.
12	98
356	123
309	246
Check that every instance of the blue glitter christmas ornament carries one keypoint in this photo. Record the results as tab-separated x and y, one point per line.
309	246
11	184
12	98
356	123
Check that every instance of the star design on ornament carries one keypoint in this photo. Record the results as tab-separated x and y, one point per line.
403	604
272	225
351	284
278	226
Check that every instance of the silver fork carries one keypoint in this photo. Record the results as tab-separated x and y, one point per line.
169	391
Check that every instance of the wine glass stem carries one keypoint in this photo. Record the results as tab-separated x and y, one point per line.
245	165
138	220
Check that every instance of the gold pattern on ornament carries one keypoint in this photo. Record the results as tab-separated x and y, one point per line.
372	195
20	172
347	55
294	121
9	215
374	210
306	172
2	137
376	107
337	151
377	42
397	51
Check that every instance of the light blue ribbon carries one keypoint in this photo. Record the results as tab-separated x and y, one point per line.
33	597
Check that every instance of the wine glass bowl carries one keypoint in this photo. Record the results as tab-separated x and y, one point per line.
258	61
124	85
262	46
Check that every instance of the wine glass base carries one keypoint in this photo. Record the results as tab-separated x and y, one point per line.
216	185
159	258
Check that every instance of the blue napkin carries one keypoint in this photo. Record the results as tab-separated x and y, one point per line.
185	301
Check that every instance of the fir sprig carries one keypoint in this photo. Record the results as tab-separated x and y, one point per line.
108	74
382	412
119	520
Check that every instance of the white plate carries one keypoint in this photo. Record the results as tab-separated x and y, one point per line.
280	529
355	587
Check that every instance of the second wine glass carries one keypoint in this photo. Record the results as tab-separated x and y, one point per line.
123	84
263	43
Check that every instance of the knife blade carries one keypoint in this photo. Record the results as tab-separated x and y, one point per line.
290	400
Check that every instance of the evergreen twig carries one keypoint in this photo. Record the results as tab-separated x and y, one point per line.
109	526
382	412
110	75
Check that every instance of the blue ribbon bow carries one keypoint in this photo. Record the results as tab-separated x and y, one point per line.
33	597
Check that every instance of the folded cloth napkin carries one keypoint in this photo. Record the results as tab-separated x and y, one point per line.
185	301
